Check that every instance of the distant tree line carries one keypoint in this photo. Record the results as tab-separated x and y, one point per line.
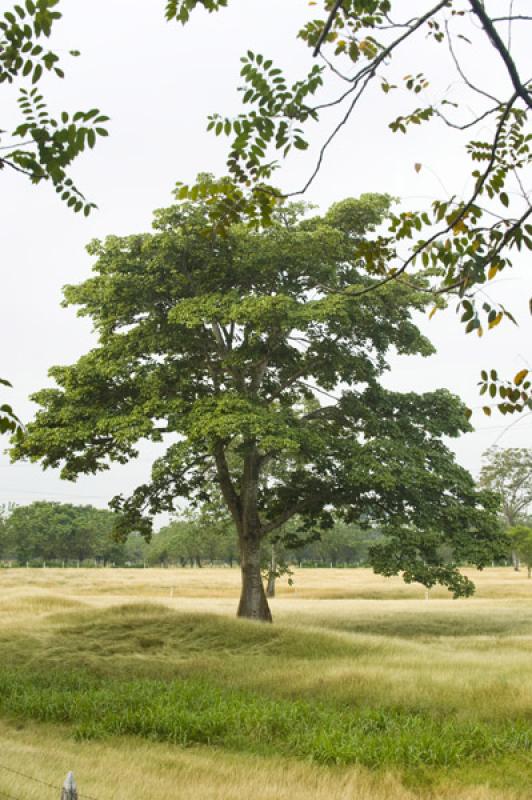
61	533
58	534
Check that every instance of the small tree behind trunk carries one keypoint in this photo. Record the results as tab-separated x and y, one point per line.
272	574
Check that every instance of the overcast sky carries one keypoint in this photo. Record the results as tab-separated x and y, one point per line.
158	82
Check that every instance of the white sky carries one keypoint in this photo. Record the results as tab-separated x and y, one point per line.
158	82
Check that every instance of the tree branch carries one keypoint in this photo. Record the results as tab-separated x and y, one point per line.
226	484
497	42
461	71
327	27
480	183
282	518
364	76
5	162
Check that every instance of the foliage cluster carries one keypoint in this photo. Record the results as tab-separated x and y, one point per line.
42	146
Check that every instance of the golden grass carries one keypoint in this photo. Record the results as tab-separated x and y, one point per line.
218	583
129	769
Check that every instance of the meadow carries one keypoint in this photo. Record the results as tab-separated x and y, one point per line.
145	685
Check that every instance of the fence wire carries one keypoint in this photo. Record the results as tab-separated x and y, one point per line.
53	786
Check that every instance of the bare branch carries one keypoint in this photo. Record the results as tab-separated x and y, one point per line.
497	42
466	125
5	162
462	73
512	18
16	146
282	518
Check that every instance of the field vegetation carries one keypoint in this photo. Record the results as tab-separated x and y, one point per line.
140	679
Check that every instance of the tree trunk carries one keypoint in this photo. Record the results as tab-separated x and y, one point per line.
272	574
516	561
529	567
253	603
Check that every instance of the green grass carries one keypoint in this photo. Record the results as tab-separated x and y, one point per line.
188	712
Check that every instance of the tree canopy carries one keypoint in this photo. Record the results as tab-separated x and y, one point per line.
242	350
471	238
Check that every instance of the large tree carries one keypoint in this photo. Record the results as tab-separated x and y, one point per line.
472	236
220	344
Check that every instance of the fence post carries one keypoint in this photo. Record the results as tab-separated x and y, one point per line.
69	790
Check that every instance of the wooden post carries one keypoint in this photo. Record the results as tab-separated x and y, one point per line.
69	790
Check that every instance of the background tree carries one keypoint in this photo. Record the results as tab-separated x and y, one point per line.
223	340
469	240
135	550
57	532
3	538
186	542
508	472
521	538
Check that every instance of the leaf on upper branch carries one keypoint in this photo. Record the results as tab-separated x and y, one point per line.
417	167
495	321
519	378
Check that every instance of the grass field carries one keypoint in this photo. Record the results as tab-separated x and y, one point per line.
144	684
